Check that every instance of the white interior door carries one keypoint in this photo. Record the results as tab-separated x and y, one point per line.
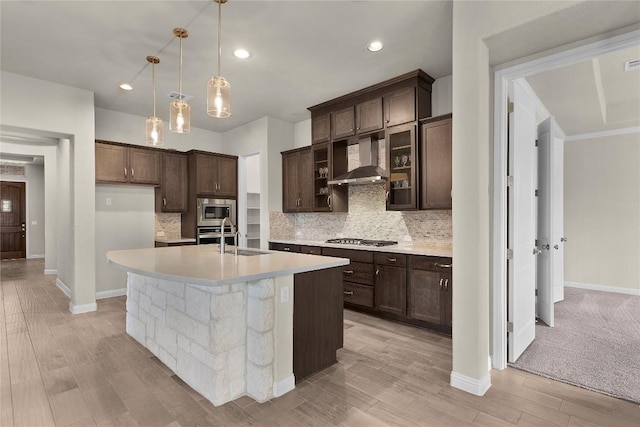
548	186
558	219
521	228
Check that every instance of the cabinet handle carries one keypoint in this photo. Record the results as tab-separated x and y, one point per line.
164	201
391	259
377	271
446	285
348	292
349	272
329	202
125	172
443	265
386	196
132	172
287	249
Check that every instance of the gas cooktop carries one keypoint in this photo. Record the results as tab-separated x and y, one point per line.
352	241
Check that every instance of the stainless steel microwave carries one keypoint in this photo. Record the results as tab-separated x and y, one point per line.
211	212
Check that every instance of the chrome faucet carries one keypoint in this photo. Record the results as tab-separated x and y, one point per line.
222	242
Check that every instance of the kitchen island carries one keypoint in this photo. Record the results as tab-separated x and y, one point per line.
222	322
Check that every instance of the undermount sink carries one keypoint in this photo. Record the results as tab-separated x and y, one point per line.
245	252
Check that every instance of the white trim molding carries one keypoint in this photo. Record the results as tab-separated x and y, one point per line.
603	134
112	293
283	386
82	308
50	271
63	287
603	288
471	385
37	256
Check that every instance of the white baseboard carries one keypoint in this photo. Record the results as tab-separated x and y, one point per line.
112	293
64	288
603	288
50	271
471	385
36	256
283	386
82	308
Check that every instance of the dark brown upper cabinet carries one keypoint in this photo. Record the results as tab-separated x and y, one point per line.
400	100
400	107
343	123
121	163
297	180
435	163
171	196
401	164
213	175
321	128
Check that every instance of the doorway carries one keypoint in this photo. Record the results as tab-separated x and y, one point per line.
13	233
499	221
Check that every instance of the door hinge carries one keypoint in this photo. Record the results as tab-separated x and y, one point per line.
510	107
536	142
536	192
509	326
509	253
509	181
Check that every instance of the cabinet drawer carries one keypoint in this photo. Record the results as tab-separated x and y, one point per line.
285	247
431	263
383	258
358	272
355	293
311	250
352	254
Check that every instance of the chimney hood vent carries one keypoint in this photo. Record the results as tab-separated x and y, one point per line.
368	172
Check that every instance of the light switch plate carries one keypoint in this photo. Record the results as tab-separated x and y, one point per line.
284	295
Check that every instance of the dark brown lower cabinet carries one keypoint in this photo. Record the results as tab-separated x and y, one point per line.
430	288
391	283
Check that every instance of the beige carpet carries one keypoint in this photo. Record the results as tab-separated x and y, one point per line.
595	344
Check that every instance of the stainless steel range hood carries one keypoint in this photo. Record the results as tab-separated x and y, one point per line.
368	172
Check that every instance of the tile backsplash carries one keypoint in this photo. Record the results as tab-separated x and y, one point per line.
367	218
170	224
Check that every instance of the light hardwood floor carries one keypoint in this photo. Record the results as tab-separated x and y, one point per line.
84	370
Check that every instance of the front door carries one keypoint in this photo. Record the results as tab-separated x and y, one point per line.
521	227
12	220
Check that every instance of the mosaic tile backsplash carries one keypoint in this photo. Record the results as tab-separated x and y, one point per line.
368	219
170	223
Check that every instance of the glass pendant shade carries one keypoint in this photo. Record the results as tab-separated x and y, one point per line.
180	117
155	131
219	98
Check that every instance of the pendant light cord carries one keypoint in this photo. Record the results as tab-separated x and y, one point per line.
153	77
180	85
219	35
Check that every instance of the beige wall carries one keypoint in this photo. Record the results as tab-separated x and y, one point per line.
602	211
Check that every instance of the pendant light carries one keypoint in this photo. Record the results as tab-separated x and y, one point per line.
180	111
218	89
155	128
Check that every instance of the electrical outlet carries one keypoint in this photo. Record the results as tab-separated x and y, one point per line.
407	238
284	295
298	233
160	234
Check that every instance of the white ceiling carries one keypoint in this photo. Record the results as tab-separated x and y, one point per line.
303	53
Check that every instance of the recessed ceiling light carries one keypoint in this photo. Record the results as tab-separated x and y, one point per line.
374	46
126	86
241	53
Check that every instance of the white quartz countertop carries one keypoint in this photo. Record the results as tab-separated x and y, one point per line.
204	265
408	248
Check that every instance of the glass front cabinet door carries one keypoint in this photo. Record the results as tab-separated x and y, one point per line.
401	161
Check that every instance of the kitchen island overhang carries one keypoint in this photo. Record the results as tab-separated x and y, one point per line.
222	322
